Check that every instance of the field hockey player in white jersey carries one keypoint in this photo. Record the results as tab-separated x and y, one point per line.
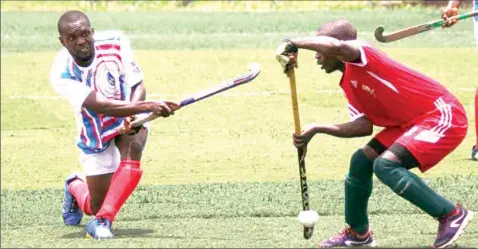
101	80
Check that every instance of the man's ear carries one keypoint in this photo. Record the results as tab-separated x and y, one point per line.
92	30
61	40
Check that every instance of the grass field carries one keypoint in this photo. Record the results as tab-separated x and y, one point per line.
222	173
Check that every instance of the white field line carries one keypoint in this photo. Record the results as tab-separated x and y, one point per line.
223	94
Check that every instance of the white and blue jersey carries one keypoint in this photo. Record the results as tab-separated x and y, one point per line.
112	73
475	7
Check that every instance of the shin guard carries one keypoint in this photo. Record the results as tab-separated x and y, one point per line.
412	188
123	183
358	188
80	192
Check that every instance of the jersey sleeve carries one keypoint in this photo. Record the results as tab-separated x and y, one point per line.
368	54
133	73
65	83
354	112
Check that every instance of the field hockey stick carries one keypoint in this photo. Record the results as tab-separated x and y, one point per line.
410	31
254	70
308	231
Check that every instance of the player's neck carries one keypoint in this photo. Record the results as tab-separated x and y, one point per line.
341	67
85	63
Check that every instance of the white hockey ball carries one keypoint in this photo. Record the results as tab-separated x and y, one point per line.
308	218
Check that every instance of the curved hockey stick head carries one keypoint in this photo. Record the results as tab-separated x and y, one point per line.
255	68
308	232
379	34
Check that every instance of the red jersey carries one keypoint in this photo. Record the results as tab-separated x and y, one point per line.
387	92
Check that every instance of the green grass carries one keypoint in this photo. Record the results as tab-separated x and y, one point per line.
223	172
201	6
197	30
229	215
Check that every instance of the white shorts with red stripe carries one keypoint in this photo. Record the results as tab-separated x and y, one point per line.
104	162
101	163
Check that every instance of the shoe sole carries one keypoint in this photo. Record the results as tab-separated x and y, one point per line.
461	229
371	244
88	236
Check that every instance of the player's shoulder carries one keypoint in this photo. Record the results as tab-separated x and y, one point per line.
108	36
362	44
367	47
359	42
116	39
62	58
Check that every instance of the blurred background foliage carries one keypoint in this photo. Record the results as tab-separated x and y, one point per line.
188	5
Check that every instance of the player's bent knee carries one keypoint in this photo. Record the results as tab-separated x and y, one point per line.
387	171
134	143
382	167
132	146
361	167
136	146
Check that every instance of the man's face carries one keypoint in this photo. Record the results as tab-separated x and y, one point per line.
329	64
77	37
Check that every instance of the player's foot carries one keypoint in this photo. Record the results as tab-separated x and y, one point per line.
99	228
474	153
71	212
450	228
349	238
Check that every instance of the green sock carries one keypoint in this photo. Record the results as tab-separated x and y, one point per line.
411	187
358	188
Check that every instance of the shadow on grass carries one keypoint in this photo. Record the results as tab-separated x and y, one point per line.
119	233
139	233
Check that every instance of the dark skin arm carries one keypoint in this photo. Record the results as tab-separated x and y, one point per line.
358	128
328	46
131	145
117	108
138	92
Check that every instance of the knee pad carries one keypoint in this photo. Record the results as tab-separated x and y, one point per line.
361	167
389	172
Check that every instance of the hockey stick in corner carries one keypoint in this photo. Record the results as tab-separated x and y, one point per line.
410	31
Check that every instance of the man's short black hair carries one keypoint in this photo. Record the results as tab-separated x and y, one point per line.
339	29
71	16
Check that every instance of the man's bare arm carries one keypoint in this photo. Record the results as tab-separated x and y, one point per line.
116	108
329	46
357	128
138	92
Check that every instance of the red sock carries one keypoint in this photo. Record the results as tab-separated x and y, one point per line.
79	190
452	213
123	183
476	116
